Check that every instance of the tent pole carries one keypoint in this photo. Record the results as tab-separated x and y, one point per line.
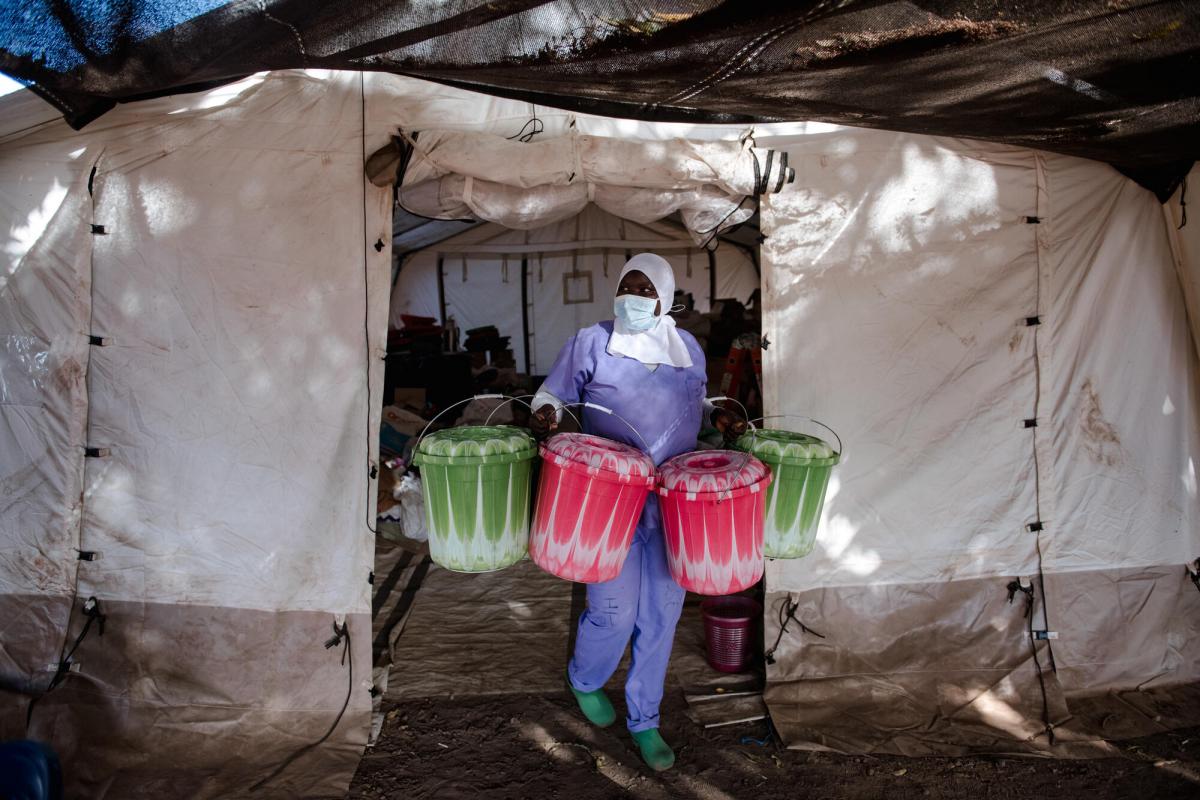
525	307
441	292
712	279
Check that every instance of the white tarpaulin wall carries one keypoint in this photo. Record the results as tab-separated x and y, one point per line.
216	246
482	277
999	336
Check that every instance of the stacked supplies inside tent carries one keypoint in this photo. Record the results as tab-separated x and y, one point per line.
487	346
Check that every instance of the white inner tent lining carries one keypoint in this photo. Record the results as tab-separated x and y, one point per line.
481	277
528	184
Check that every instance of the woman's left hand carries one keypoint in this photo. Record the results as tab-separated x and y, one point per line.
730	425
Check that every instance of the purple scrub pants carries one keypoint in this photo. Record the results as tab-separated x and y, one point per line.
641	604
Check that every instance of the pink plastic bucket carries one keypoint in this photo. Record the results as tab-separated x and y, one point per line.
729	631
713	503
590	495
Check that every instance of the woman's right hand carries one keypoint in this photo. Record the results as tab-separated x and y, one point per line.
544	421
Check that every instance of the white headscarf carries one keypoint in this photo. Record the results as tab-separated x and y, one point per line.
662	343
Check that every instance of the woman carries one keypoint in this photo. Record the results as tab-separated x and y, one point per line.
653	376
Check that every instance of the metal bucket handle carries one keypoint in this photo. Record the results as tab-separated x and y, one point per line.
425	430
810	419
520	398
745	411
611	413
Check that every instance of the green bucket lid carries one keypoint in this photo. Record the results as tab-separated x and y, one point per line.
476	444
785	447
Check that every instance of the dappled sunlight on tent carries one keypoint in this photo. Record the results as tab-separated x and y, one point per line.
221	95
113	485
993	709
166	208
131	303
1168	407
23	236
261	384
1189	478
936	194
837	534
336	351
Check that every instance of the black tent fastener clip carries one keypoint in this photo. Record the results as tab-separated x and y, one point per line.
1033	220
378	245
1034	527
1015	586
1041	636
87	555
371	577
1031	321
96	452
91	610
1031	423
99	230
97	341
339	631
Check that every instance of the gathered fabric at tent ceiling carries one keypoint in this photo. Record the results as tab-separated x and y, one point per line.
527	184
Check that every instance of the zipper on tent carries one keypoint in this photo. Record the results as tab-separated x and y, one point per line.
1038	527
91	607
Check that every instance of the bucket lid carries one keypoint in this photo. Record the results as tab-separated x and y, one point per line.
596	452
476	444
711	471
786	447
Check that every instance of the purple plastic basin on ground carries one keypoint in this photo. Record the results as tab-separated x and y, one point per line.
729	631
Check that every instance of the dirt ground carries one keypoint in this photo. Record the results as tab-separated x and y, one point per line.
540	747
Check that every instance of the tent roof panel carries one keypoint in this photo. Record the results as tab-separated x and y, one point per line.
1103	80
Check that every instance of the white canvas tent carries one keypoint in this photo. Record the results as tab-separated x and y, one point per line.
571	267
1000	337
192	310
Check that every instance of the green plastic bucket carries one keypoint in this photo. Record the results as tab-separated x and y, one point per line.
476	483
800	465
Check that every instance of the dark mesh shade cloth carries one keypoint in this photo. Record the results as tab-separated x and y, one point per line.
1113	80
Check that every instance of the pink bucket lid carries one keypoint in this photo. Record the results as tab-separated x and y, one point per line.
598	453
711	471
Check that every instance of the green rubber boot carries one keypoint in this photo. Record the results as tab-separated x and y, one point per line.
595	706
657	754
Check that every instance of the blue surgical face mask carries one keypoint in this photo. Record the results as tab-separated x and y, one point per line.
636	313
